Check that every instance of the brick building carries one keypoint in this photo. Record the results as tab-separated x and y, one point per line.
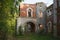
56	15
49	19
32	17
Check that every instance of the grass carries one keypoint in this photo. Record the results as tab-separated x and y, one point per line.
33	36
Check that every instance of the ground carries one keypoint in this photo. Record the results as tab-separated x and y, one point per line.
33	36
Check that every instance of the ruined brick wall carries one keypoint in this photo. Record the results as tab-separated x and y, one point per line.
24	7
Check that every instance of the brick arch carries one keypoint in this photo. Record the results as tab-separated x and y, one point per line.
33	23
23	21
32	26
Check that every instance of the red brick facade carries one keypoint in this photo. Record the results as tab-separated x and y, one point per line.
24	7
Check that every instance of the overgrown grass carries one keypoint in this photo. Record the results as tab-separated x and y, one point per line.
33	36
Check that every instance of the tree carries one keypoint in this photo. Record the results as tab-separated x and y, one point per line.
7	17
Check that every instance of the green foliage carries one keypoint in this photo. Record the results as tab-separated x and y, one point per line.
33	36
20	0
7	17
3	30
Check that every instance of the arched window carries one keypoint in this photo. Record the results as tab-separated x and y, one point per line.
49	26
29	12
41	15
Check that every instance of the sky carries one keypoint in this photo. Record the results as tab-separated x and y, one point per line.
47	2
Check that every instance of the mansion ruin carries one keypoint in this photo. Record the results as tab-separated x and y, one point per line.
38	17
32	17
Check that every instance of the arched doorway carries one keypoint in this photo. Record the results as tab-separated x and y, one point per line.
30	27
49	26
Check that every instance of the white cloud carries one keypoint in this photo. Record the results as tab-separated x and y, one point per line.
48	2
